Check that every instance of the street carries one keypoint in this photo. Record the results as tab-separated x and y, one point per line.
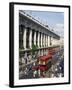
56	70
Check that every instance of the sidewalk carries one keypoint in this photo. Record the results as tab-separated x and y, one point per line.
28	63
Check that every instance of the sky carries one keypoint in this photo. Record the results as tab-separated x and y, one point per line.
55	20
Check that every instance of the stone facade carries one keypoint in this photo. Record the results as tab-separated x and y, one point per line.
32	32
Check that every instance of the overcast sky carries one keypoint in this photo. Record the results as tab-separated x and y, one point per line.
55	20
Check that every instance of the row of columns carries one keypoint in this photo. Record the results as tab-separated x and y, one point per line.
45	39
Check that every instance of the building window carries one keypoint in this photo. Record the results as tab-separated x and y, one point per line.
50	41
43	40
40	40
47	40
27	38
37	38
33	36
21	32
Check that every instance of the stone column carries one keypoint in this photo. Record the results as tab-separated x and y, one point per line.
24	38
30	39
